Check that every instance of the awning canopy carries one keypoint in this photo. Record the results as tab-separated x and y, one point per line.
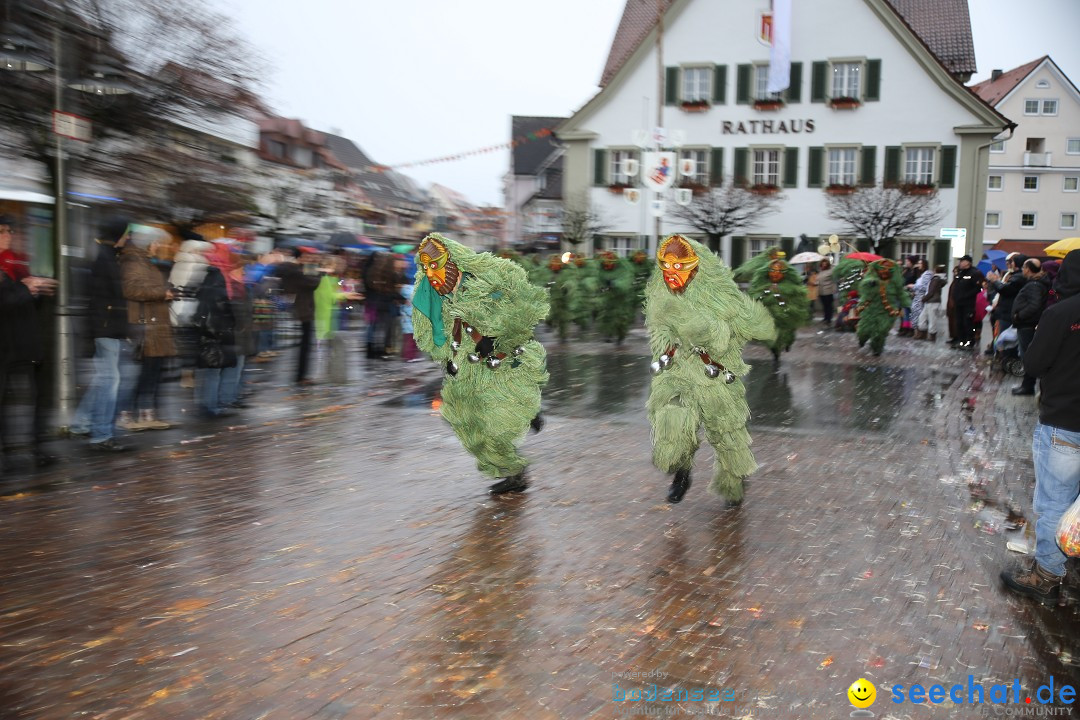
26	196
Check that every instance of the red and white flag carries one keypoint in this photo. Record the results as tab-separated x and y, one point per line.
780	54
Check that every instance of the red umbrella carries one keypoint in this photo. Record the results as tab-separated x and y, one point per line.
864	256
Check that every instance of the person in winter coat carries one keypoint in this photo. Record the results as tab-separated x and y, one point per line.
967	282
826	291
1008	287
217	342
930	319
96	414
228	263
20	350
299	278
150	326
186	277
918	295
1027	309
1053	357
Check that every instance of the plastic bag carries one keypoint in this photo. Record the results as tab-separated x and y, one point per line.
1068	530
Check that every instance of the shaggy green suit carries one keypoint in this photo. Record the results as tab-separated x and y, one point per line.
792	314
489	409
616	303
874	319
713	314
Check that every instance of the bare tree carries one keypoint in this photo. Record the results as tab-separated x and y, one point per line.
721	211
581	224
881	213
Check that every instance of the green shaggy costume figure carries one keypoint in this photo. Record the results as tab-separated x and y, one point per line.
745	272
882	297
560	281
778	287
616	302
698	324
475	314
847	273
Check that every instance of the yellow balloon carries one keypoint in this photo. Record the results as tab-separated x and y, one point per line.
861	693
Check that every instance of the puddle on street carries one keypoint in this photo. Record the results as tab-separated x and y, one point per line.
808	397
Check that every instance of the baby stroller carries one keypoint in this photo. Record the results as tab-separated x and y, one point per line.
1007	353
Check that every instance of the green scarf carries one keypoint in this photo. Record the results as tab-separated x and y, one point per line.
429	303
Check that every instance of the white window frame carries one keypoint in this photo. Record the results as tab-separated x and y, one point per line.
761	81
1075	181
623	245
1068	226
926	156
1070	143
918	248
845	78
700	156
704	81
756	244
1044	111
1024	186
1028	110
1034	220
765	164
990	183
998	146
841	165
615	163
986	219
1043	84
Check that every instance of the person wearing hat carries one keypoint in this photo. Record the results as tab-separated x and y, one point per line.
967	282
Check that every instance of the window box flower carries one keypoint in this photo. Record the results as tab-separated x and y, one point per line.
840	189
695	106
918	188
769	105
844	103
617	188
764	189
695	186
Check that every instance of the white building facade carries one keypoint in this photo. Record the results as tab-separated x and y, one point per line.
868	102
1033	185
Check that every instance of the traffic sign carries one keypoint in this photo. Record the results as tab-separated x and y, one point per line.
953	233
71	126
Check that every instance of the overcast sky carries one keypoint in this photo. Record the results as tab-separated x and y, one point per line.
410	80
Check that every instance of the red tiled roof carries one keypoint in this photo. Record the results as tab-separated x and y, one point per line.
943	25
1031	248
992	91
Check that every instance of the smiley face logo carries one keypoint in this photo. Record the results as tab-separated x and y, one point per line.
861	693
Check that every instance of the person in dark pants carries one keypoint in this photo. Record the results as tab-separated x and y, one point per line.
20	350
1054	356
826	291
300	278
967	281
1027	309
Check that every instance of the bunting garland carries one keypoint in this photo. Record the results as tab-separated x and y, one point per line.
520	140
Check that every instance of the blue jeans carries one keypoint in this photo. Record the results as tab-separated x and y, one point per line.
97	411
208	387
232	381
1056	453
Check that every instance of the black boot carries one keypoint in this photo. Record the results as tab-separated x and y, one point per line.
537	423
514	483
679	486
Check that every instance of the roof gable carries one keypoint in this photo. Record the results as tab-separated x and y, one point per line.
943	25
527	157
996	90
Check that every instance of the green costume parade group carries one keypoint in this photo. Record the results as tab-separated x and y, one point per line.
475	314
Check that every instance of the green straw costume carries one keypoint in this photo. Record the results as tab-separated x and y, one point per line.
780	288
882	297
617	303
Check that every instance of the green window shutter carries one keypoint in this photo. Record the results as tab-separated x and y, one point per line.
794	92
863	245
819	74
942	252
791	167
873	80
738	251
948	167
816	170
868	165
742	160
788	246
744	76
599	166
671	86
716	167
892	164
719	85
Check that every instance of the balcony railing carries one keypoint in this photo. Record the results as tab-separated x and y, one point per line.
1033	159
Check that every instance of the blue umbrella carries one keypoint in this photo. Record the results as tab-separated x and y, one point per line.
984	266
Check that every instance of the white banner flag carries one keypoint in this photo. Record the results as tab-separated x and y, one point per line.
780	55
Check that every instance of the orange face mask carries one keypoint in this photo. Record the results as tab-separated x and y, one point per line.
434	257
678	263
776	271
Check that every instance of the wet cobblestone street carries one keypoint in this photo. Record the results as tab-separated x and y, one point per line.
333	554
